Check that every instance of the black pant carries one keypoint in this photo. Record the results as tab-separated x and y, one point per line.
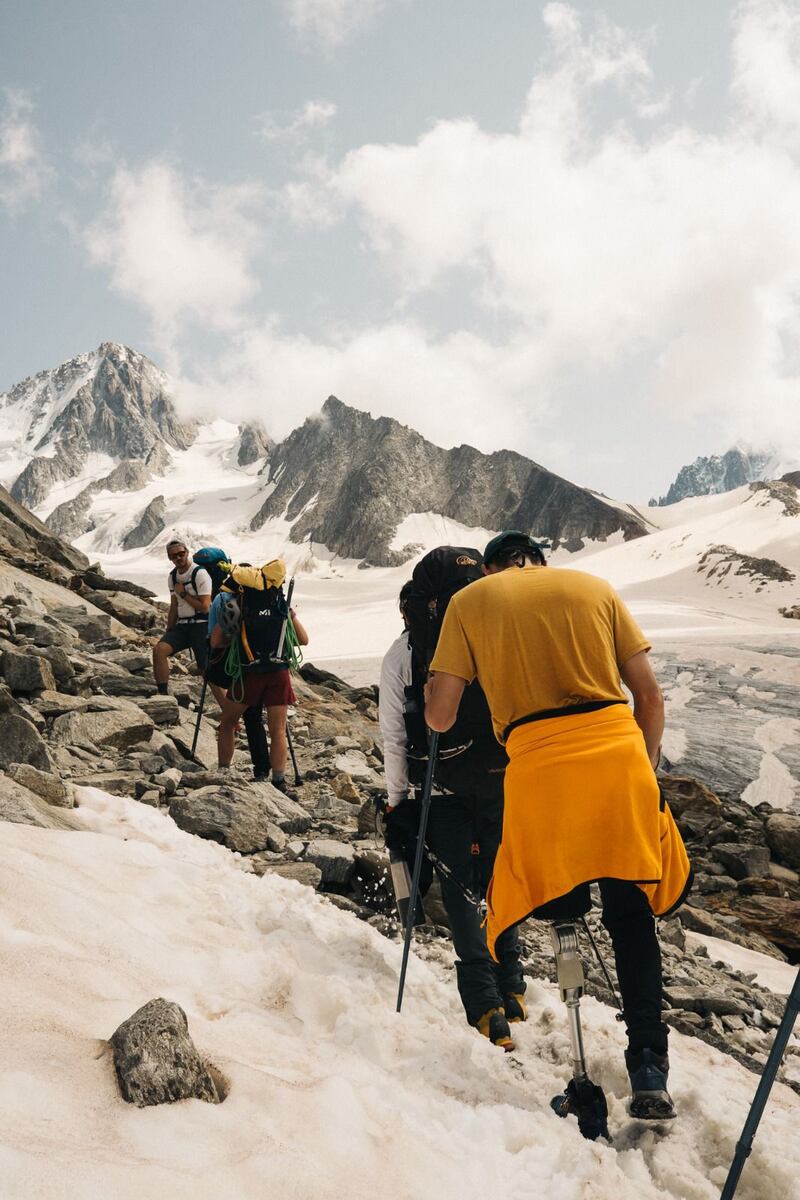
257	739
455	825
631	925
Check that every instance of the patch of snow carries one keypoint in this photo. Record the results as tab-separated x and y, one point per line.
331	1092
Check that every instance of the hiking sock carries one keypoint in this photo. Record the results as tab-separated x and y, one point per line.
278	777
163	689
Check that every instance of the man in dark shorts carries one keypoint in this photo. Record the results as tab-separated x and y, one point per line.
270	689
187	622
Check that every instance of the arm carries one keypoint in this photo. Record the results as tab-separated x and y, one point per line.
299	628
648	703
395	674
172	615
442	697
200	604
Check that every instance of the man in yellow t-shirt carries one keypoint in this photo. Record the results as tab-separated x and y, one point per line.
551	649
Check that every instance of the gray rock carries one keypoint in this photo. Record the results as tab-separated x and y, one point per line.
150	524
240	819
27	672
60	662
124	684
90	626
49	787
118	783
303	872
336	860
783	837
169	780
20	743
152	798
23	807
164	710
156	1060
742	860
120	728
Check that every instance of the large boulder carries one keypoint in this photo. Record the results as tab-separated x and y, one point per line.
130	610
336	860
156	1060
783	837
163	710
774	917
119	728
20	743
27	673
23	807
49	787
239	818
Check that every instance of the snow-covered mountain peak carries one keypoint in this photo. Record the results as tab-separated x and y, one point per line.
717	473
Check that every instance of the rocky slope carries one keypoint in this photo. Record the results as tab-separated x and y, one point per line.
721	473
347	480
78	708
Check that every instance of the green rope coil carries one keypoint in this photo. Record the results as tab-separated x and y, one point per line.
292	651
233	669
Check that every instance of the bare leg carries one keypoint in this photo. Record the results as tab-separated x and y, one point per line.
278	749
226	734
220	694
161	656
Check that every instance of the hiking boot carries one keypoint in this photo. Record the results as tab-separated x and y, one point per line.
263	777
494	1026
650	1100
514	1004
283	786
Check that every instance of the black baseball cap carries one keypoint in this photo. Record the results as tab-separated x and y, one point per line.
511	539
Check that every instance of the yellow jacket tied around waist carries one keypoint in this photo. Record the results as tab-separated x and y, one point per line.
582	803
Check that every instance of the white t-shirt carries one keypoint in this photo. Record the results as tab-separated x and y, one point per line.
200	587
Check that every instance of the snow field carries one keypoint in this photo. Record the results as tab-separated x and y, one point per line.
331	1093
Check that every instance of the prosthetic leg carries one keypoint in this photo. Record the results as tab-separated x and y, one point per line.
581	1098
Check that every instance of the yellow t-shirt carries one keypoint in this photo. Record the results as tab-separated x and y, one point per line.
538	638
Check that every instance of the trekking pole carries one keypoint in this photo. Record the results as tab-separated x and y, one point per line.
298	778
425	806
200	706
619	1015
745	1143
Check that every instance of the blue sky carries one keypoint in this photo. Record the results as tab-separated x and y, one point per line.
567	229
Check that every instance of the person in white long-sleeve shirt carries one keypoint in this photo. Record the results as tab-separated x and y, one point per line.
464	835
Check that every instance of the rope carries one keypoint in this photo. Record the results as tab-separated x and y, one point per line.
233	668
292	652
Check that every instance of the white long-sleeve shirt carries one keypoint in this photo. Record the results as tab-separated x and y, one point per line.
395	678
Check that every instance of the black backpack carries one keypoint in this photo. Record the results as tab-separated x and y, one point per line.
262	628
471	762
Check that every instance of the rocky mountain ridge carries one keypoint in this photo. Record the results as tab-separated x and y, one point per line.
344	479
708	476
347	480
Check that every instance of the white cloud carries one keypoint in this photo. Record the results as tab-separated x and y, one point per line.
180	249
766	59
315	114
24	171
445	387
329	23
605	246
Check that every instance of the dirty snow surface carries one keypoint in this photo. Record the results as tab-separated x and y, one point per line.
331	1093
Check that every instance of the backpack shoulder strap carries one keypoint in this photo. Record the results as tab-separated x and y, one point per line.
191	579
173	576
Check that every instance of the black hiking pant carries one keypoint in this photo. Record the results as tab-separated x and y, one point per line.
257	742
455	825
631	925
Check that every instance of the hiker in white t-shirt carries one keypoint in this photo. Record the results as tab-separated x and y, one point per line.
187	623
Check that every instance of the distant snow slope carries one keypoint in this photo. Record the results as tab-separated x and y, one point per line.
332	1094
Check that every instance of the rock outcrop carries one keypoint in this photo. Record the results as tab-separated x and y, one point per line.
720	473
150	524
